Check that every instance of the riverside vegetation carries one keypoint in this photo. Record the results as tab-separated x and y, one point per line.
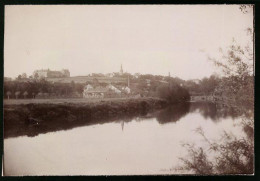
232	155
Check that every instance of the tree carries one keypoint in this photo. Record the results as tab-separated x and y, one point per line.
232	155
46	94
24	76
36	75
25	94
173	93
237	85
246	8
95	82
8	94
19	77
142	85
72	84
207	85
17	93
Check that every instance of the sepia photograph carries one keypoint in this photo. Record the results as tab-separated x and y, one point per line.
128	90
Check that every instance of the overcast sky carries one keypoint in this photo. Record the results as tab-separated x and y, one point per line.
154	39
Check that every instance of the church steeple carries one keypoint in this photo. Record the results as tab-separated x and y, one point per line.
121	70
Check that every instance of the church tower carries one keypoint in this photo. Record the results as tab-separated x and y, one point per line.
121	70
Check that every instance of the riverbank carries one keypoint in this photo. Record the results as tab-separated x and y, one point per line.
32	119
64	100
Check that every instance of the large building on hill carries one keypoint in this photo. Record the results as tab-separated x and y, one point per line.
47	73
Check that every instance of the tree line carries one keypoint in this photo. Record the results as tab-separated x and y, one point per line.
31	89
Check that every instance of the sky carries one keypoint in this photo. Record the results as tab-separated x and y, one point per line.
146	39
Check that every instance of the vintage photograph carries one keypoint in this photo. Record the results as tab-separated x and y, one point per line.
128	90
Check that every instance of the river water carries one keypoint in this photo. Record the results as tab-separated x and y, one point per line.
151	144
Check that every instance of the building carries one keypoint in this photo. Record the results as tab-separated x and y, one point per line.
90	92
100	92
47	73
126	89
40	73
113	88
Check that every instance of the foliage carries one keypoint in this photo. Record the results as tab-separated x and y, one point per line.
231	155
25	94
206	86
245	8
8	94
17	93
237	64
31	88
173	93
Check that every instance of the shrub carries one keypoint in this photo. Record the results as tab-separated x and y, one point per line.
173	93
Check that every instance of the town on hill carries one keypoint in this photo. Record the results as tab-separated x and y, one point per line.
46	83
49	84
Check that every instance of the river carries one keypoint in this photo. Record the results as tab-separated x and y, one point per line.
147	145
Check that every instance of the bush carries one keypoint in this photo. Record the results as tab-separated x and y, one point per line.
232	155
173	93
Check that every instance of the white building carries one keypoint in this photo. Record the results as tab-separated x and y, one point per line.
126	89
100	92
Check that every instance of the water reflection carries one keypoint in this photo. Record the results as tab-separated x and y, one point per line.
173	113
213	111
129	144
169	115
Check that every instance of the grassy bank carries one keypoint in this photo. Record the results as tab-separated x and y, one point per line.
34	118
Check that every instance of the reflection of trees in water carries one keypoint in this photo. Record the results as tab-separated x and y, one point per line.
173	113
213	111
51	119
56	118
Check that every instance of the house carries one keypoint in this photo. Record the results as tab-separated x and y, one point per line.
88	87
126	89
113	88
100	92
